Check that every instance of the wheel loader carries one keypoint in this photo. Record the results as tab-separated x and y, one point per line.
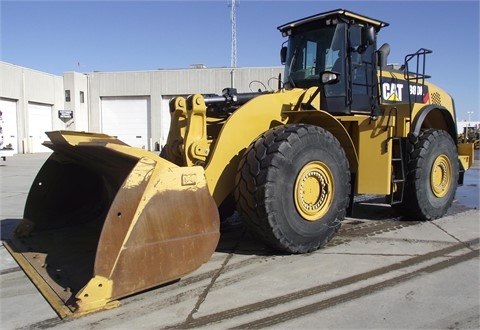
104	220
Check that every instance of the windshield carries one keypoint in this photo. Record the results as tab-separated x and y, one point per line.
312	52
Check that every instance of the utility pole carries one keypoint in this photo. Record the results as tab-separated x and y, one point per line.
233	20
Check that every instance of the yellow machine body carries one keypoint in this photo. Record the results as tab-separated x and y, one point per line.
367	143
101	215
104	220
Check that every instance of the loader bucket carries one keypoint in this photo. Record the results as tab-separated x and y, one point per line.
104	220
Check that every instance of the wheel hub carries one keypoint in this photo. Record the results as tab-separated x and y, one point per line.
441	176
314	191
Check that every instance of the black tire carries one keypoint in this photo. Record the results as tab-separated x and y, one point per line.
432	176
292	187
163	153
226	208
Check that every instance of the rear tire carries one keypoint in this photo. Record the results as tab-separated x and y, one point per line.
432	176
292	187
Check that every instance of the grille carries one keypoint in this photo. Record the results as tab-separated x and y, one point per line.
436	99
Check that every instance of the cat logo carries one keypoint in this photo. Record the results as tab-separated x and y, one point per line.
392	92
189	179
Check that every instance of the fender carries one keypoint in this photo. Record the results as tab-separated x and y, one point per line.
240	129
435	116
333	125
254	118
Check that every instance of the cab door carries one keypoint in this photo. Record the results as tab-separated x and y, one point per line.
362	88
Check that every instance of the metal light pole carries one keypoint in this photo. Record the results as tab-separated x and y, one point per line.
469	113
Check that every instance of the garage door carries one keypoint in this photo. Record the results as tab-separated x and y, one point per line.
164	121
39	122
8	125
127	119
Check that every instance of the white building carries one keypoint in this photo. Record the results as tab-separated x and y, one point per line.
130	105
461	125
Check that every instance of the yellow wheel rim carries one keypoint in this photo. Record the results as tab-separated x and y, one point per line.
314	189
441	176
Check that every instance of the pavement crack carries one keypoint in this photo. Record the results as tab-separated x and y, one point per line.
287	298
296	313
467	245
216	275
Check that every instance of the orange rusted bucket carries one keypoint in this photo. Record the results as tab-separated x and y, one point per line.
104	220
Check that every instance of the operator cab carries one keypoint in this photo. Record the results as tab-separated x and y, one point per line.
335	50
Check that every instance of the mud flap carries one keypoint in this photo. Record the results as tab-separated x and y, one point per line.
104	220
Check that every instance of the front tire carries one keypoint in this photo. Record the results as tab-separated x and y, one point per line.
292	187
432	176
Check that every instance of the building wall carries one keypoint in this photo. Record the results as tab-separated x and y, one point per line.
469	125
32	93
29	87
77	85
162	85
25	87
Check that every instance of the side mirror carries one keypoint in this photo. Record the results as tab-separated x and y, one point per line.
329	77
283	55
368	35
368	38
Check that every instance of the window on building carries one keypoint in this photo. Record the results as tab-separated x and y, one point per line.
67	95
82	97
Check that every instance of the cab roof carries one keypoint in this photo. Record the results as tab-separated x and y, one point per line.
338	13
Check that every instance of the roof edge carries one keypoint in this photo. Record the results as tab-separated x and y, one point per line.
337	12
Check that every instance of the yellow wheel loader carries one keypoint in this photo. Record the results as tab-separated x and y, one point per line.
104	220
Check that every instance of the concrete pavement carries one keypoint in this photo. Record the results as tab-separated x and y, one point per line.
378	272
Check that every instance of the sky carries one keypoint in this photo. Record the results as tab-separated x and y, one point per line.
86	36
